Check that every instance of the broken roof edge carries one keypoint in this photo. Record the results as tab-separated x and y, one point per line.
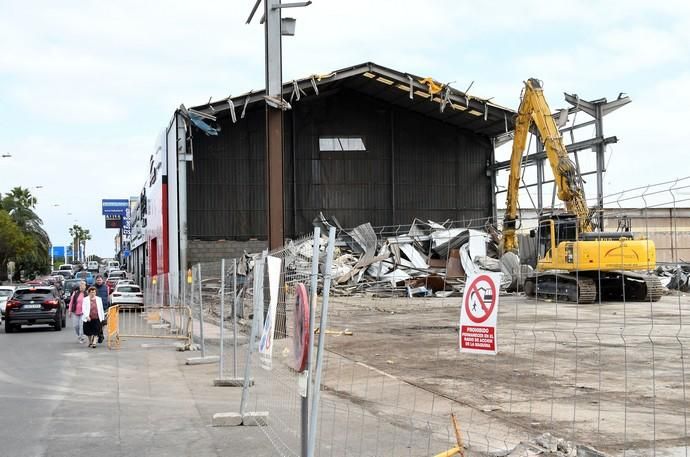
455	97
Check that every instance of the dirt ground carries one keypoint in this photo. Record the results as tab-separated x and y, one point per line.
612	375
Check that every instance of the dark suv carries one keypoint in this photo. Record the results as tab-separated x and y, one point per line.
31	305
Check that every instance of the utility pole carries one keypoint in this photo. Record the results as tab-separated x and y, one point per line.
274	28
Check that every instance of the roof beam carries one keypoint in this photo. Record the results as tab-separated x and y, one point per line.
579	146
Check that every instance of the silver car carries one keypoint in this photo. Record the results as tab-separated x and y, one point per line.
5	294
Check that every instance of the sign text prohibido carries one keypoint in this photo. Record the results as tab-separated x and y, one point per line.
479	314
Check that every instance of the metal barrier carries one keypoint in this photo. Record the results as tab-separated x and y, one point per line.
155	322
609	374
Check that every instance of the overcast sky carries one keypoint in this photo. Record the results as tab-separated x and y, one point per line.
86	86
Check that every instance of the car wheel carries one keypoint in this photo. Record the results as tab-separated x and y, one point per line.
9	328
58	323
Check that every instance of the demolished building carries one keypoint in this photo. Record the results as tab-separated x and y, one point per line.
362	144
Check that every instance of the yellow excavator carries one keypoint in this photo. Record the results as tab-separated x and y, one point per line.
574	262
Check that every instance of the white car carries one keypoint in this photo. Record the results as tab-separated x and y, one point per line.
5	294
127	295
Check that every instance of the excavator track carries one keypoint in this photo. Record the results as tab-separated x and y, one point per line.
558	286
614	286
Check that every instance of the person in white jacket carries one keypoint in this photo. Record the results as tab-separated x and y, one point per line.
92	316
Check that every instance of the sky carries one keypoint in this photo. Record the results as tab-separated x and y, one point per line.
87	86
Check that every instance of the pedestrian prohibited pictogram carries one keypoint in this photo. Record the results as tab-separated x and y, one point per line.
478	314
480	299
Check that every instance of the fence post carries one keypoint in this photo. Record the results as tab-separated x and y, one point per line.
312	320
201	314
222	317
234	318
203	359
322	339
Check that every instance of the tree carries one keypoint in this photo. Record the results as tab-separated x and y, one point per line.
19	205
79	237
13	243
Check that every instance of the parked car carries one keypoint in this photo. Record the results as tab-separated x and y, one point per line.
5	294
34	305
87	276
112	264
92	266
127	295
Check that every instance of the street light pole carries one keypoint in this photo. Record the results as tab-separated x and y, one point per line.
275	105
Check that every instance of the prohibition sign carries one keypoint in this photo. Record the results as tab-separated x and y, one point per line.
480	299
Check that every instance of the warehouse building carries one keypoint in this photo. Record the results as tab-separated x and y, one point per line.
361	144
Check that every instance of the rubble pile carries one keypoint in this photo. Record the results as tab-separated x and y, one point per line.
429	259
675	277
546	445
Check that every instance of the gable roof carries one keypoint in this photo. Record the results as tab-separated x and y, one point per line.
423	95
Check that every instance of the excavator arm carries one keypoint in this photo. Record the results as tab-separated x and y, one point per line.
535	111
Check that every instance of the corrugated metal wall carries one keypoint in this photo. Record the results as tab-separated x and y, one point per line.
414	166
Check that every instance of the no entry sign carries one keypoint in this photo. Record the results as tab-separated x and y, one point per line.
478	314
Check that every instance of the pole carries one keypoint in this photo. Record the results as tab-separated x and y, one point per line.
322	338
201	314
274	125
222	316
234	318
310	348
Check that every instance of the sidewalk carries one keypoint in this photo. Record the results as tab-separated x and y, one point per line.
145	401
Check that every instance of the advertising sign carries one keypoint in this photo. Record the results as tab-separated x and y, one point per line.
126	225
478	315
266	343
113	221
114	206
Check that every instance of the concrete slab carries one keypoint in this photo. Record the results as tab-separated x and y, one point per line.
255	418
226	420
231	382
202	360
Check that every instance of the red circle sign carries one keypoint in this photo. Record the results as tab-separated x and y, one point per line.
300	339
481	291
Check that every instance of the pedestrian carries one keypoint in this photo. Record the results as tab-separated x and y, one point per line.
92	316
75	311
102	292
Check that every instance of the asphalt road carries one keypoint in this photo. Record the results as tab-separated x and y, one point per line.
60	398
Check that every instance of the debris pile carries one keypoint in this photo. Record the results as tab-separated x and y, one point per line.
675	277
546	445
429	259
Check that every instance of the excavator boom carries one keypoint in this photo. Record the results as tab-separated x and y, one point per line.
534	111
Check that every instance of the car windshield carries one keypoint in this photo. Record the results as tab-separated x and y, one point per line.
83	275
23	293
116	274
128	289
5	293
66	267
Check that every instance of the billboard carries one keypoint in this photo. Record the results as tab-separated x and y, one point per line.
113	221
114	206
61	252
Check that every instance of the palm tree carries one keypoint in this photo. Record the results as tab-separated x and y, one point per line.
20	204
79	236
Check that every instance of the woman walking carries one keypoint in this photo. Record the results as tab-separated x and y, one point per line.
76	309
92	316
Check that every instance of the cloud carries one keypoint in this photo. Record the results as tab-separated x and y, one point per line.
88	85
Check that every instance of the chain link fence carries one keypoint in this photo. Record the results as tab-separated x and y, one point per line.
568	377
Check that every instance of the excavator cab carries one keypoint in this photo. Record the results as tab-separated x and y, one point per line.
553	230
